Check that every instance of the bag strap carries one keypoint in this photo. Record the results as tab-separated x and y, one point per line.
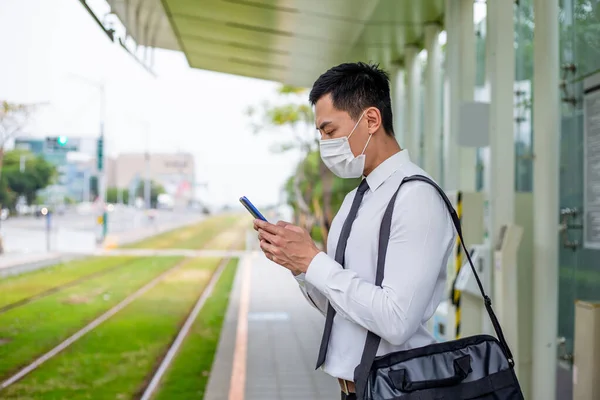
361	373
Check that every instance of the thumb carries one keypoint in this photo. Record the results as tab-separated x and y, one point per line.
283	224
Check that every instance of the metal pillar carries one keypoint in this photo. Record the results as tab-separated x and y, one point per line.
398	104
467	155
546	127
412	121
147	199
433	101
459	162
501	185
102	178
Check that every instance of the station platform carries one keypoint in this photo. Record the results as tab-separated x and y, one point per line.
269	349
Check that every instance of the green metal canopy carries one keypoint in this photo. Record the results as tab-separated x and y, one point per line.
290	41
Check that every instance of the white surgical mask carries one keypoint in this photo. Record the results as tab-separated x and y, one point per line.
338	157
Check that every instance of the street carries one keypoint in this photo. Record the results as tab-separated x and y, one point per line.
77	232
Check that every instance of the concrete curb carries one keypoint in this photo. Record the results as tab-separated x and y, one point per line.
28	266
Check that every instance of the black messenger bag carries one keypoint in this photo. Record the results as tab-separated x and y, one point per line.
476	367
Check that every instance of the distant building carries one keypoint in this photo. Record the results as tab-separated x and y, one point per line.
174	171
74	158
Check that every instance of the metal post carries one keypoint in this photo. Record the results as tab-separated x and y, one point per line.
412	120
147	198
467	155
102	170
86	185
22	163
502	147
459	162
48	230
398	104
452	97
433	101
546	125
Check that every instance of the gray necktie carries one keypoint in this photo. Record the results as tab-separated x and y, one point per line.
339	258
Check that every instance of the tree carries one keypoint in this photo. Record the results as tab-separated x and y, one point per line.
13	119
155	189
25	174
112	195
313	192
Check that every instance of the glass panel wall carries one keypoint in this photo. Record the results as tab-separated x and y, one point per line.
580	58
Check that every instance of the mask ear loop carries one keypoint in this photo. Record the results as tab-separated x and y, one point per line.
368	140
357	122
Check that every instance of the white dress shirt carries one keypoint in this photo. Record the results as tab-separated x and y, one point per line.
421	240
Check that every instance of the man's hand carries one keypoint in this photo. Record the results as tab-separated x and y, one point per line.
287	245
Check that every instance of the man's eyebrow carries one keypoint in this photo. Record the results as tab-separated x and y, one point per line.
323	125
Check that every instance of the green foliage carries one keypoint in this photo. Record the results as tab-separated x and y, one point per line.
37	174
289	115
312	192
155	189
112	195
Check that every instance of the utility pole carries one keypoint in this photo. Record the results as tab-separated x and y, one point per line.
101	166
147	181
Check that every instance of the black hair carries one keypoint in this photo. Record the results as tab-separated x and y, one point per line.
355	87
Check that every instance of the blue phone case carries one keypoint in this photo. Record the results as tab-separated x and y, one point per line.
250	207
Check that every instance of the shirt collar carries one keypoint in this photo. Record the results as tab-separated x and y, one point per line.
386	169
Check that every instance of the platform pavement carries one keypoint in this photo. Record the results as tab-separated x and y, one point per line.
284	332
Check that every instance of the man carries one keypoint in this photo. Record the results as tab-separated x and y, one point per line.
354	117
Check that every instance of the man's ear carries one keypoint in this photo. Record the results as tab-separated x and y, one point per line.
373	117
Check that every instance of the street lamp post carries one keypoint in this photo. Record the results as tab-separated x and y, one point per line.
100	152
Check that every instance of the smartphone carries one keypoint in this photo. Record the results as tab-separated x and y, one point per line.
250	207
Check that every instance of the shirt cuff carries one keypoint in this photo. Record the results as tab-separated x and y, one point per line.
319	271
300	278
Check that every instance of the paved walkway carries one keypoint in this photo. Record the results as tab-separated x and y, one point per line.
283	334
18	263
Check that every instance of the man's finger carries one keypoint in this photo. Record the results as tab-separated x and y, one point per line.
274	229
267	247
264	235
283	224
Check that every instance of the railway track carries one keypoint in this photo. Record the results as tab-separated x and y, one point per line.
58	288
153	383
89	327
165	362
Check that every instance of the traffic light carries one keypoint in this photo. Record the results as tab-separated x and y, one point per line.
100	153
56	142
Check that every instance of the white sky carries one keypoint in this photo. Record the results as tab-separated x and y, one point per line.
49	46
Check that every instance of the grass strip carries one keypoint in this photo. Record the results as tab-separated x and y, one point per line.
30	330
190	237
113	361
188	375
19	287
230	239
